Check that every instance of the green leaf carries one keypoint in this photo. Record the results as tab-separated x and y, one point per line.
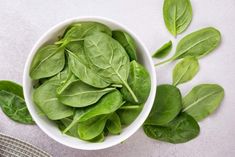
127	42
99	138
203	100
182	129
185	70
106	105
163	51
65	122
43	63
77	31
93	127
80	66
128	112
11	87
113	124
109	58
197	44
166	107
79	94
14	107
140	83
46	98
177	15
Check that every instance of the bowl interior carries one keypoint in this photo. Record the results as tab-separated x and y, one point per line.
49	127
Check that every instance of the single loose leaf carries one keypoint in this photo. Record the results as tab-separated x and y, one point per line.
185	70
79	94
45	97
80	66
177	15
127	42
109	58
180	130
163	51
43	63
166	107
140	83
11	87
197	44
203	100
113	124
15	108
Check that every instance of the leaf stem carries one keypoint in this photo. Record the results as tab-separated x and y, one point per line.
129	107
70	126
163	62
130	90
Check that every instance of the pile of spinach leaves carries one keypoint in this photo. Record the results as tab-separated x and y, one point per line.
174	117
89	82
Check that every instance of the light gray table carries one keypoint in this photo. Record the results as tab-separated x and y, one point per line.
22	22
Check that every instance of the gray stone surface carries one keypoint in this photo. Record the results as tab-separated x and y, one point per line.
22	22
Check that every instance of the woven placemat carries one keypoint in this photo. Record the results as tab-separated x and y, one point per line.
12	147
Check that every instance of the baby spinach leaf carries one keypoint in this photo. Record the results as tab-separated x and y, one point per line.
11	87
166	107
185	70
74	121
197	44
14	106
93	127
163	51
43	63
139	82
177	15
203	100
79	30
128	112
109	58
79	94
80	67
99	138
127	42
46	98
113	124
182	129
106	105
65	122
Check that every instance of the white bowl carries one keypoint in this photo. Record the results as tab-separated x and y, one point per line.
49	127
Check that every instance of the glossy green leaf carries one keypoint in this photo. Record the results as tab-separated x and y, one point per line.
106	105
185	70
203	100
64	123
80	66
113	124
109	59
127	42
14	107
129	112
140	83
182	129
91	128
166	107
197	44
11	87
46	98
163	51
43	63
77	31
177	15
79	94
97	139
